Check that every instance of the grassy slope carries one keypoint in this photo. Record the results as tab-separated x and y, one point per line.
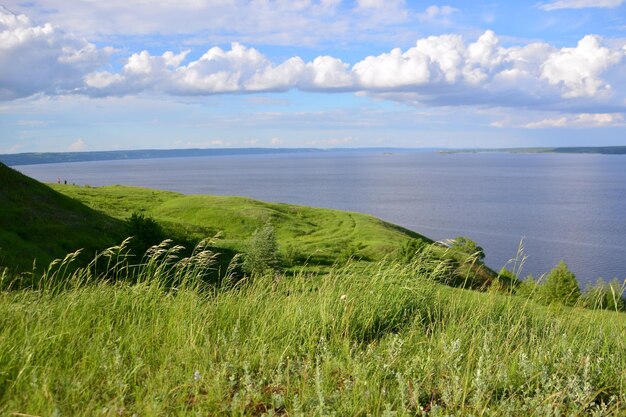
384	340
318	234
37	222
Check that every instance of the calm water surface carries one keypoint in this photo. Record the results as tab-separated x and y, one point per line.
570	207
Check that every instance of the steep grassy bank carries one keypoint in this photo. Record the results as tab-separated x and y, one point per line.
39	223
383	339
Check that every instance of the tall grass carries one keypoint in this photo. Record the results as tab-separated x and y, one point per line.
150	338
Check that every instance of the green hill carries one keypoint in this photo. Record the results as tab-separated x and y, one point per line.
307	236
316	235
37	222
46	222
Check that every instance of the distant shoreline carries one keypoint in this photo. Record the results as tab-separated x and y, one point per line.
35	158
603	150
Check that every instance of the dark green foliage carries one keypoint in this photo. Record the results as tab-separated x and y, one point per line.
607	296
528	288
468	246
262	252
507	275
145	231
410	250
561	286
506	281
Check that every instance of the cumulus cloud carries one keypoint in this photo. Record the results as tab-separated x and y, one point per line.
438	70
578	69
77	146
580	4
240	69
42	58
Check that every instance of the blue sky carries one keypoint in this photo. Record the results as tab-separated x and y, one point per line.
133	74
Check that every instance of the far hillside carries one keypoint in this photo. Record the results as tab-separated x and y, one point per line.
36	222
305	234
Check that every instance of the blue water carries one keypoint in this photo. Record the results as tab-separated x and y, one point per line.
570	207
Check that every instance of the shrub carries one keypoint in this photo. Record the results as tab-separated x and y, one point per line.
262	252
505	281
145	231
351	252
602	295
410	249
468	246
561	286
528	288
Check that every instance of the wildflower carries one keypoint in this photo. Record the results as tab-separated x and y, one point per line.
343	297
197	375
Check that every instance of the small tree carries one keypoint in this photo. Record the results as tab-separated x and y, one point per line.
262	252
468	246
146	232
561	286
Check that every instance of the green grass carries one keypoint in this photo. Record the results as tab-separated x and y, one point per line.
368	339
316	235
38	223
44	222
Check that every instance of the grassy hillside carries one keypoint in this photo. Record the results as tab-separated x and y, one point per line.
37	222
381	340
305	233
45	222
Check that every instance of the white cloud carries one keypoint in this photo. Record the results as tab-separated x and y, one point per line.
438	70
42	58
578	69
547	123
276	141
277	22
436	14
327	72
77	146
581	4
578	121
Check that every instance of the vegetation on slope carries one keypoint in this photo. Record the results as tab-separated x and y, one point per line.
39	223
377	339
312	235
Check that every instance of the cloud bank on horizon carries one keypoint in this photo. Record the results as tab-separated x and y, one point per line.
580	83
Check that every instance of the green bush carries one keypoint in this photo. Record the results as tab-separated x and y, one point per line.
468	246
561	286
410	250
262	252
505	281
607	296
145	231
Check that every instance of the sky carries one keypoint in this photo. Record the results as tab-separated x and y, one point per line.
86	75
